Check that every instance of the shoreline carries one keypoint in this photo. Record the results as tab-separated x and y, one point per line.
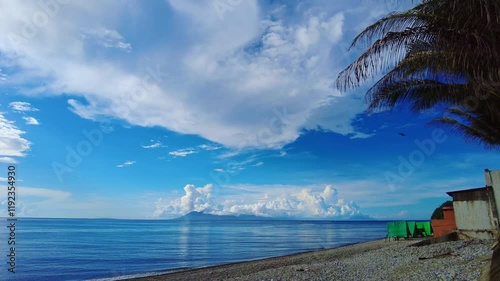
371	260
185	270
169	273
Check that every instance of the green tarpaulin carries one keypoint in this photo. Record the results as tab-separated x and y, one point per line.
425	228
408	229
411	227
397	229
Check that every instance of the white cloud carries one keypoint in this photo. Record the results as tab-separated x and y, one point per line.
106	38
219	170
265	74
3	76
31	200
11	142
402	214
188	151
154	145
31	121
229	154
22	106
8	160
195	199
209	147
334	27
235	167
183	152
258	164
378	193
49	194
301	204
126	163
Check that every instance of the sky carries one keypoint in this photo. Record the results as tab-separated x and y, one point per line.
152	109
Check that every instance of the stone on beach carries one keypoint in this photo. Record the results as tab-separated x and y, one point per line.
375	260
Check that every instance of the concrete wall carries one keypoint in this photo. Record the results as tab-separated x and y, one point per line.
475	218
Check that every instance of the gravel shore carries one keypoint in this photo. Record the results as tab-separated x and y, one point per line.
375	260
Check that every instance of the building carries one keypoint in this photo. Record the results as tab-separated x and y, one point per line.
475	212
445	225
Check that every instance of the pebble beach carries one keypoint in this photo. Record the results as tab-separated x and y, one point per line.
374	260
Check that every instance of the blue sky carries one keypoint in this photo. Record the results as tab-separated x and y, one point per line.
151	109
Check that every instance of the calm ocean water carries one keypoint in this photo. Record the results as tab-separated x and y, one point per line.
84	249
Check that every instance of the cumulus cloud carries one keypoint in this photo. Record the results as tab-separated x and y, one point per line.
11	142
126	163
305	203
31	121
195	199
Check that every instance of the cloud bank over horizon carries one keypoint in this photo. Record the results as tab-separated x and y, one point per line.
305	203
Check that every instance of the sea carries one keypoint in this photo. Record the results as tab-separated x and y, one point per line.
111	249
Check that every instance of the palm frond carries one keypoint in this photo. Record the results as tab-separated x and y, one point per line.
439	52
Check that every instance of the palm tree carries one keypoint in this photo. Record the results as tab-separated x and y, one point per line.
442	52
